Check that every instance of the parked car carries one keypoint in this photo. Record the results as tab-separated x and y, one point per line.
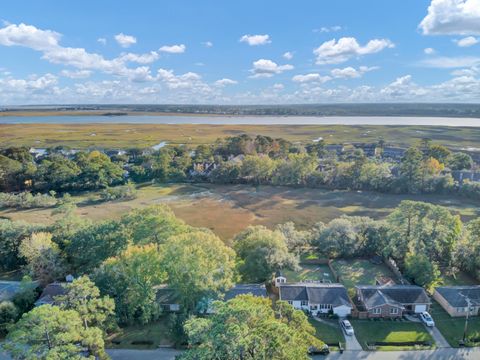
427	319
347	327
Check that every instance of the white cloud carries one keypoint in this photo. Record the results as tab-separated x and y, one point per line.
467	41
444	62
76	74
429	51
173	49
278	87
333	52
268	68
325	29
288	55
125	40
47	42
255	40
312	77
207	44
473	71
452	17
147	58
225	81
350	72
102	40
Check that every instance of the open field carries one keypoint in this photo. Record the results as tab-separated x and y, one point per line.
228	209
452	328
107	135
389	331
360	272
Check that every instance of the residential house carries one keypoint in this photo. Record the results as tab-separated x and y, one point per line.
317	298
167	298
243	289
391	300
50	292
394	153
455	299
335	148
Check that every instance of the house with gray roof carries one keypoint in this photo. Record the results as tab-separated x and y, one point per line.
244	289
391	300
317	298
50	292
455	299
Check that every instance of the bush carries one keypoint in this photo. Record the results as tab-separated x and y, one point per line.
124	192
8	315
26	200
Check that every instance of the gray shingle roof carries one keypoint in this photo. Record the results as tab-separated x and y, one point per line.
240	289
334	294
50	292
8	289
395	295
455	295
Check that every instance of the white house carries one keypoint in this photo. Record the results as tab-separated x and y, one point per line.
317	298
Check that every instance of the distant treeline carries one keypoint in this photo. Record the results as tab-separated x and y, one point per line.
420	109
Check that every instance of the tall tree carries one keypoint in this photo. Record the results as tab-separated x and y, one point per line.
247	327
198	265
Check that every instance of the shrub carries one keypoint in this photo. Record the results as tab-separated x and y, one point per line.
124	192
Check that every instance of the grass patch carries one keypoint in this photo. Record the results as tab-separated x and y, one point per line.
458	279
149	336
368	331
329	333
228	209
308	272
452	327
360	272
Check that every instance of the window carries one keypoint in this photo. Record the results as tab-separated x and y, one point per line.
377	311
304	303
313	307
290	302
394	311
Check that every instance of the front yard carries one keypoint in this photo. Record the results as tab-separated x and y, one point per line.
452	328
370	331
149	336
328	331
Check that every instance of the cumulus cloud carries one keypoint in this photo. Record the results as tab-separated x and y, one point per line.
350	72
173	49
325	29
140	58
207	44
452	17
225	82
255	40
125	40
444	62
467	41
102	40
312	77
429	51
334	52
288	55
268	68
76	74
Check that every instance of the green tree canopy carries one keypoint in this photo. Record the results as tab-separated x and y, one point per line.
247	327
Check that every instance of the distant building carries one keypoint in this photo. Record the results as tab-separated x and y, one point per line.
244	289
38	153
454	299
394	153
461	175
167	298
50	292
391	301
335	148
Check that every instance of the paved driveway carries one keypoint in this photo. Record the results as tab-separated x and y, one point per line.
351	342
438	337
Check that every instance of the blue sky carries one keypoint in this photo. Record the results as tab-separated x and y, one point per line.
240	52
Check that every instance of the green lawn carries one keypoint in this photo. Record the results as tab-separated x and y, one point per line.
329	333
157	334
458	279
388	330
309	272
452	328
360	272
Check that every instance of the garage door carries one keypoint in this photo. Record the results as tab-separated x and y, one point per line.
420	308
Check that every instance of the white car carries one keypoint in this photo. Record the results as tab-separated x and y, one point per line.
427	319
347	327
